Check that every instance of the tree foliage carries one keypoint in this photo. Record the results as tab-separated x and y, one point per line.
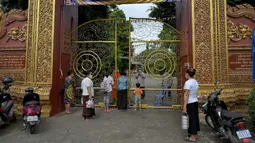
251	108
7	5
122	37
92	12
236	2
166	12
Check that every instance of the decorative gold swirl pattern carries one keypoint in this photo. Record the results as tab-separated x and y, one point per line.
10	17
159	64
17	34
237	33
87	61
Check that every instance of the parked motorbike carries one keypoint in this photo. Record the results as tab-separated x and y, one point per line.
229	126
6	104
31	110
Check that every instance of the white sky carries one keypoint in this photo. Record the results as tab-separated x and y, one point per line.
136	10
139	11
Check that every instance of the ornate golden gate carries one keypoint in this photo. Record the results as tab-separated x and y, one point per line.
105	45
95	43
153	50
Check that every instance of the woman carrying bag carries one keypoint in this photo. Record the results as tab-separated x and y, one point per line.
87	97
190	105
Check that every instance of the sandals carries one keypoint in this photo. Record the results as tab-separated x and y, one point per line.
189	135
188	139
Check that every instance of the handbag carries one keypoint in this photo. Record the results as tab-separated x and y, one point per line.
90	104
185	121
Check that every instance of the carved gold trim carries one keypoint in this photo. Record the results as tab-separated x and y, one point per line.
212	42
223	52
18	75
226	39
234	94
12	48
202	47
17	34
240	47
193	33
237	33
37	40
10	17
241	10
39	50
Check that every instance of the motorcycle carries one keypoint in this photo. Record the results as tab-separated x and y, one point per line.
7	114
31	112
229	126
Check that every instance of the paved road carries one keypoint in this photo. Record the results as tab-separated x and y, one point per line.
150	95
146	126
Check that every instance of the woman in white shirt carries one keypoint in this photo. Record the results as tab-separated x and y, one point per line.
87	93
191	105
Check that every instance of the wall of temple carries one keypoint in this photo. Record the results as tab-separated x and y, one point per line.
13	35
32	51
215	40
213	55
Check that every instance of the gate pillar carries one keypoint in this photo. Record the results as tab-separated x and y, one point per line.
209	41
210	52
40	48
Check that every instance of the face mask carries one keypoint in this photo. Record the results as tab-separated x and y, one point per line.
90	76
187	77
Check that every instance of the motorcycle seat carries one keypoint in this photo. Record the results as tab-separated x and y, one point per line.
32	103
230	115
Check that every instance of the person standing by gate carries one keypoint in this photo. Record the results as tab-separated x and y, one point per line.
108	82
87	94
190	105
122	86
140	79
137	93
116	75
168	83
68	91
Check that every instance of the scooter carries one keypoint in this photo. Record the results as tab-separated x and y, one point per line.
6	104
229	126
31	112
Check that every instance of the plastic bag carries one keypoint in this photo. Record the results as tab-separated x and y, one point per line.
185	121
90	103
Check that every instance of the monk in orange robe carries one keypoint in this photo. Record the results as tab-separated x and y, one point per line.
114	90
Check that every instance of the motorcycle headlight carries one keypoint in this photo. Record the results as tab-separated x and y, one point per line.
204	107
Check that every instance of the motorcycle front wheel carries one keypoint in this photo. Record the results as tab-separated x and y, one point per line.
209	121
32	129
14	117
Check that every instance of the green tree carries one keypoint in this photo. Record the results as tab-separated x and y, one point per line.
122	37
92	12
165	11
7	5
236	2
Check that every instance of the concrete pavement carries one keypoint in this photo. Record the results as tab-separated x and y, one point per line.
146	126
